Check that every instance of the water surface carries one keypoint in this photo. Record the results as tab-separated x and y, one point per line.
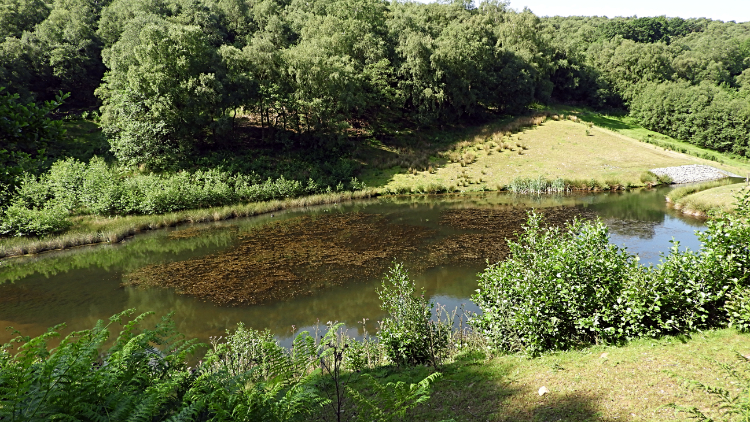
80	286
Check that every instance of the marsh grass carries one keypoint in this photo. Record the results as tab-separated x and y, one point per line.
93	229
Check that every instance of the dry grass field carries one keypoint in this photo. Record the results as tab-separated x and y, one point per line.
561	148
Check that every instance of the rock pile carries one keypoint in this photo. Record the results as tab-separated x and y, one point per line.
692	173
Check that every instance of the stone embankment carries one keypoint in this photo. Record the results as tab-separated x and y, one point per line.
693	173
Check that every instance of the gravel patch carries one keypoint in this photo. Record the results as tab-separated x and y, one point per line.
692	173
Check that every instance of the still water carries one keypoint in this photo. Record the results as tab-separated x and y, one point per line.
341	272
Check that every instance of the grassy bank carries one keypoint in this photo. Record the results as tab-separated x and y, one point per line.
626	125
701	202
562	147
95	229
628	383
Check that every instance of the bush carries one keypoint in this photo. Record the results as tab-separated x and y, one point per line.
408	334
102	190
97	188
738	310
558	290
562	289
649	178
65	179
18	220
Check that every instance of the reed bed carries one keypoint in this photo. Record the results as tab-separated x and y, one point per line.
91	230
540	185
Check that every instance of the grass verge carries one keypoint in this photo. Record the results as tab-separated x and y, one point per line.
95	229
630	382
704	201
681	192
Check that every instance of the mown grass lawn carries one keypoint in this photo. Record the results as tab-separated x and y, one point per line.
627	383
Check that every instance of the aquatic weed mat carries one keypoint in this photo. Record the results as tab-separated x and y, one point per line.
290	258
296	257
487	231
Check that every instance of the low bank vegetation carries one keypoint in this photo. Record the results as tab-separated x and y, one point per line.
676	194
87	230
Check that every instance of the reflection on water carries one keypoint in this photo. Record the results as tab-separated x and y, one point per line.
83	285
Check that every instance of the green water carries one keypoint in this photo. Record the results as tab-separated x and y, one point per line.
82	285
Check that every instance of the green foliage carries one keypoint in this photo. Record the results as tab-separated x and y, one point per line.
704	114
18	220
143	376
738	309
651	29
175	77
391	401
408	333
559	289
734	405
567	288
132	380
161	94
98	188
650	179
26	132
17	16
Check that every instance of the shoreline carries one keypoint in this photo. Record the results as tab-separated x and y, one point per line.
128	226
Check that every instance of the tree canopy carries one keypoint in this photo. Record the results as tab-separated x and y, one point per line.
172	77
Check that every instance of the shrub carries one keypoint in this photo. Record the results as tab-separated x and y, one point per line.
738	309
65	179
649	178
33	192
101	190
408	334
559	289
18	220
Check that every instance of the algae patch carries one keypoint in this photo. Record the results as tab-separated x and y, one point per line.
282	260
286	259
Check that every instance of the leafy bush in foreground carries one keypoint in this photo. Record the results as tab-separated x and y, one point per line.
566	288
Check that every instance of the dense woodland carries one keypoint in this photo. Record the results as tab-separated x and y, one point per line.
187	84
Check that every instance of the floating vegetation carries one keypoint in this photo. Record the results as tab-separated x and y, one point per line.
290	258
296	257
489	228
